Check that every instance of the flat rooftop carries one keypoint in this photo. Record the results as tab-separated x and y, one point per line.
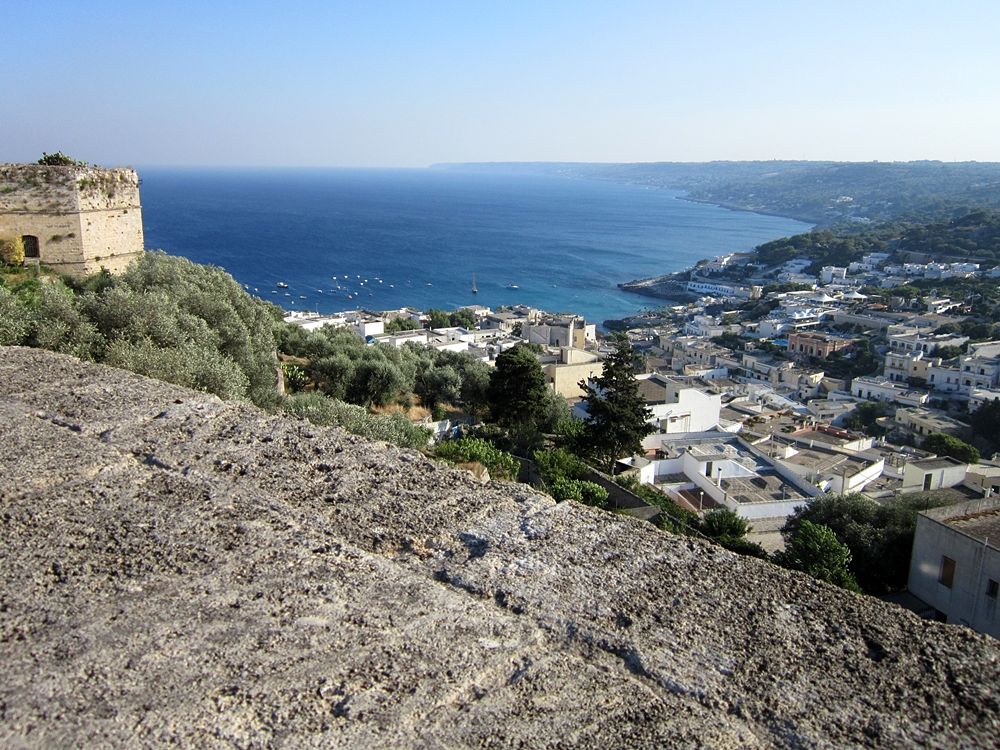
820	437
941	462
977	519
766	487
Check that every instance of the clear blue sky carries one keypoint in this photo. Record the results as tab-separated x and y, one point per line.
386	83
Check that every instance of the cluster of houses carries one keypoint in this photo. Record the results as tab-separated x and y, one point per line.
757	422
759	426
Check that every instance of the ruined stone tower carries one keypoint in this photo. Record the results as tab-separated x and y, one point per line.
73	219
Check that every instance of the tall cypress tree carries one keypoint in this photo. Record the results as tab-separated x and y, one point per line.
616	421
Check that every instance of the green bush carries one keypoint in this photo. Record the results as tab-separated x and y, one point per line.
592	494
558	463
325	411
188	365
562	488
814	549
15	320
879	535
500	464
295	377
59	159
722	522
60	326
948	445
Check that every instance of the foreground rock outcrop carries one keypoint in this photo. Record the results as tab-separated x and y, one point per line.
179	570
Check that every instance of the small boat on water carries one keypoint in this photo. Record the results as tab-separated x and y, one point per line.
513	286
281	285
475	289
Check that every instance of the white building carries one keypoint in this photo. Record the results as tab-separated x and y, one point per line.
566	331
875	388
722	470
831	470
933	474
678	406
718	290
364	324
926	343
831	274
955	565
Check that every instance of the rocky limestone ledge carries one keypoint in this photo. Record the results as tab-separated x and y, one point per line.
176	570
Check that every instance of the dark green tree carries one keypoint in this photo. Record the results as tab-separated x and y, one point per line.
438	318
948	445
437	385
729	530
879	535
616	413
517	394
401	324
815	549
985	422
724	522
376	382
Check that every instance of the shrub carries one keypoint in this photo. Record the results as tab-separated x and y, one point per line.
500	464
814	549
15	320
879	535
59	159
325	411
295	377
188	365
948	445
559	463
562	488
12	251
722	522
592	494
60	326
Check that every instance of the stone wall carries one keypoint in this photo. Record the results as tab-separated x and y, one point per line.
85	218
177	570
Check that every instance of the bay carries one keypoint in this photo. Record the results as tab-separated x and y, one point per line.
387	238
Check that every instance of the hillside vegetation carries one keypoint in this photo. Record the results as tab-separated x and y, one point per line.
973	236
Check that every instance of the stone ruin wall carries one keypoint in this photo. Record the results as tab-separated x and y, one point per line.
85	218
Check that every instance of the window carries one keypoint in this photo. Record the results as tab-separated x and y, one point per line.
30	246
947	576
991	588
927	481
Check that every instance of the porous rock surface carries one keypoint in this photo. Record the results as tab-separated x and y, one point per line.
176	570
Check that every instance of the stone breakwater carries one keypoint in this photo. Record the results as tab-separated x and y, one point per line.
179	570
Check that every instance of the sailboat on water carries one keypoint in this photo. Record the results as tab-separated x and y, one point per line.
475	290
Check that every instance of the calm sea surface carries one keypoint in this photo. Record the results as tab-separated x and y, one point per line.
382	239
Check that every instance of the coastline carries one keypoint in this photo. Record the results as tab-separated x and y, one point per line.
743	209
659	287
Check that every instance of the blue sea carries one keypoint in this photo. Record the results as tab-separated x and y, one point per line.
387	238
